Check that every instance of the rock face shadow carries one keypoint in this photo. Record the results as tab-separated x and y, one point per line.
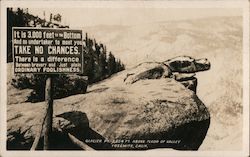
190	135
77	125
81	130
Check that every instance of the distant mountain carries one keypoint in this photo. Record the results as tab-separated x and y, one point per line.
161	40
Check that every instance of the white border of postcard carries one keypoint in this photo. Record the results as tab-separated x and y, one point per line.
244	4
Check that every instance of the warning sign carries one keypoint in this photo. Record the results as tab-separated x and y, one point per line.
40	50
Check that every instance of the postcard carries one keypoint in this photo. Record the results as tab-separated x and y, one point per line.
124	78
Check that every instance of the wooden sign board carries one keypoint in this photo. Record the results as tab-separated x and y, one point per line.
47	51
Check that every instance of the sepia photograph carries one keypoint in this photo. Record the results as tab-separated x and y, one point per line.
154	78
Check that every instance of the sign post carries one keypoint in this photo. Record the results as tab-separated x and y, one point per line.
49	117
47	52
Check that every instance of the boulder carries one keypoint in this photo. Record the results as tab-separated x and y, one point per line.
183	76
113	115
187	79
149	70
182	69
190	84
187	64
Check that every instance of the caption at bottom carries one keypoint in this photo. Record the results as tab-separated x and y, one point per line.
131	144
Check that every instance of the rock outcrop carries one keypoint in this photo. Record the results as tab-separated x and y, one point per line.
182	69
155	111
186	64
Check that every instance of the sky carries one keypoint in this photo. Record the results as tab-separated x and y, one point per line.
81	17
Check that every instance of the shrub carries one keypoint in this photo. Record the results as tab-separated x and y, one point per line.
63	85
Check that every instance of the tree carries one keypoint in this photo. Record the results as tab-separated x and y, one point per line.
50	17
57	17
103	65
111	64
14	19
104	60
10	24
119	66
20	17
89	59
